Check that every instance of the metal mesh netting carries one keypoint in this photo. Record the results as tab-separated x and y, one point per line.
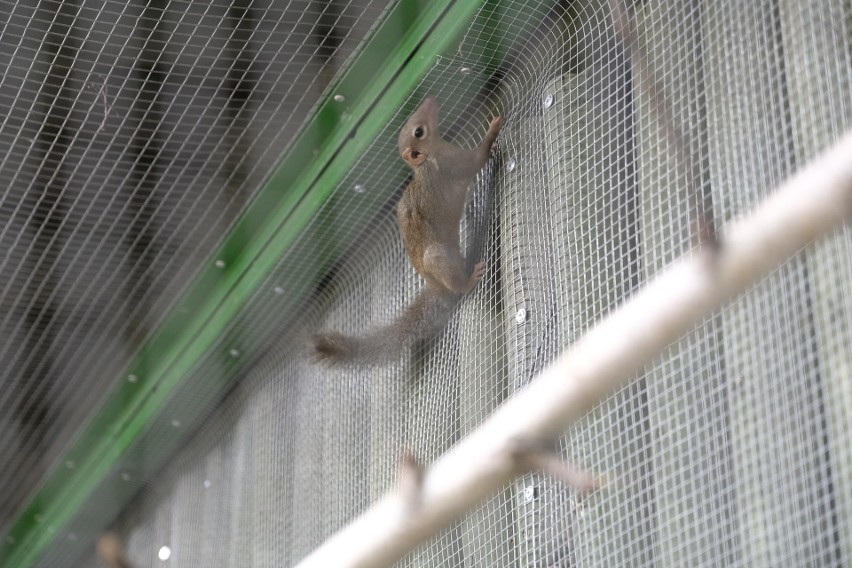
133	135
733	449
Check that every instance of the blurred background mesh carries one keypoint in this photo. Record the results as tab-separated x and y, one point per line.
134	135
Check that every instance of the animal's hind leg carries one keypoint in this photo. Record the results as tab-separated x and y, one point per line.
446	266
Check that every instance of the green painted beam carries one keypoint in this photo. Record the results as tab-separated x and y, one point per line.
393	61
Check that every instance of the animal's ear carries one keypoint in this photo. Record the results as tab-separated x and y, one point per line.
413	157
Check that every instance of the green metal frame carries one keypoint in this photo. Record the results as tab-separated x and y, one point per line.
397	56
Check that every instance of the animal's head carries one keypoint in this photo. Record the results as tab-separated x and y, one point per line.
415	139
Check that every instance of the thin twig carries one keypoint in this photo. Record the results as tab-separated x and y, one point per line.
103	95
410	480
685	162
535	456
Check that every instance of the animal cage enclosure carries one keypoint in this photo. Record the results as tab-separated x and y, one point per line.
189	188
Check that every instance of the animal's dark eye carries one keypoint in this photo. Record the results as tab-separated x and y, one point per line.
418	132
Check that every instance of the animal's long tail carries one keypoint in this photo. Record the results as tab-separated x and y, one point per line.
422	319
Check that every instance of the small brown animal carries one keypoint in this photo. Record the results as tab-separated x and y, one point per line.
429	215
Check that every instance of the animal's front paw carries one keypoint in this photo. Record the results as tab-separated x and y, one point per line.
476	275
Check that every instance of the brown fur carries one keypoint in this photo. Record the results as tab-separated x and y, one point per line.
429	216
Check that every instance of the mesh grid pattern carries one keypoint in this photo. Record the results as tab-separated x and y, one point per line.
731	450
133	134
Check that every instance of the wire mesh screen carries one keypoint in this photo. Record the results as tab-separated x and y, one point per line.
133	135
732	449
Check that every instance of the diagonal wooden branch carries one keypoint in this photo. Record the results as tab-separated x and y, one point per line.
810	205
